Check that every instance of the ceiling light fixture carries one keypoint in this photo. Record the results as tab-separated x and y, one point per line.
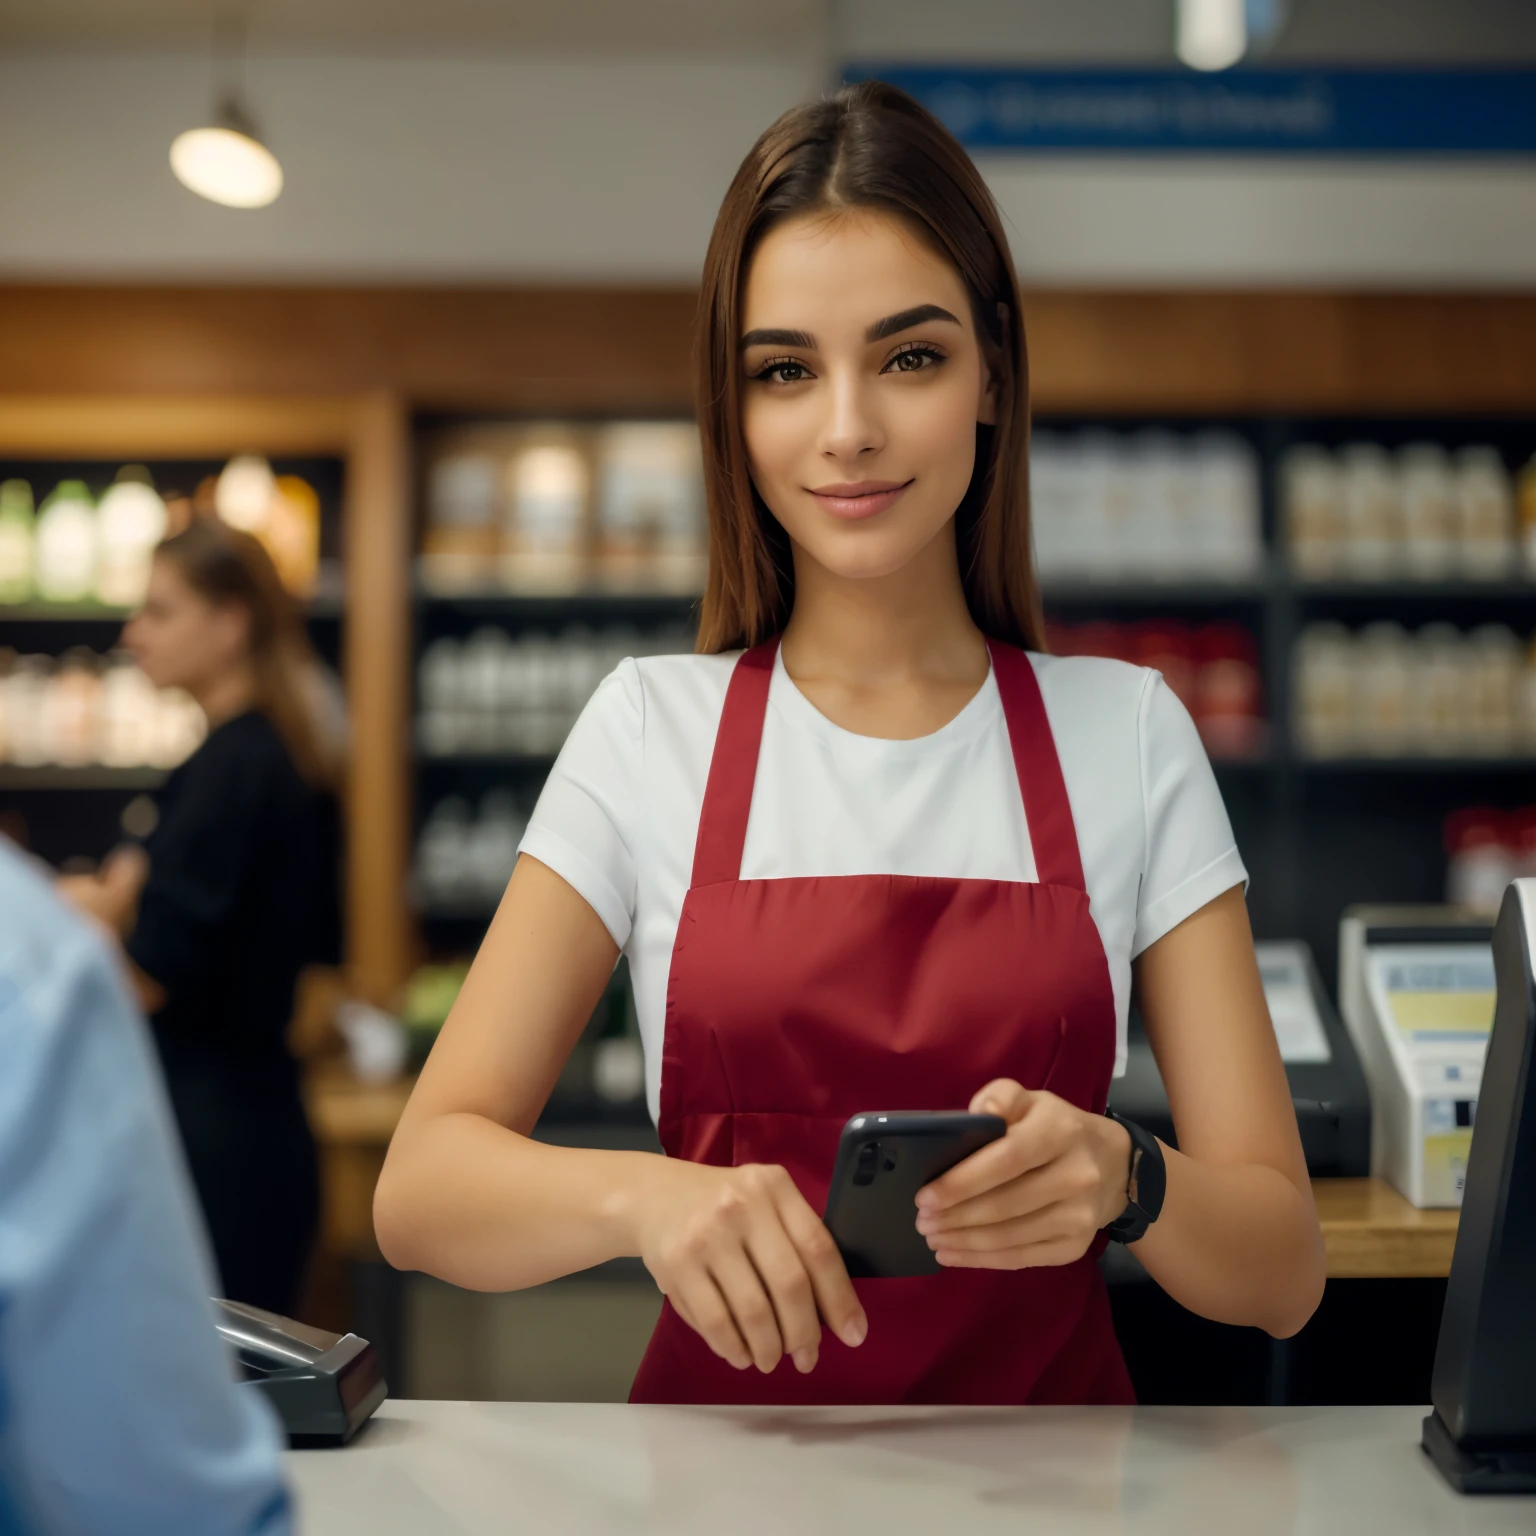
226	162
1212	34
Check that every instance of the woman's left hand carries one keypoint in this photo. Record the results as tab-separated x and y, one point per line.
1035	1196
111	895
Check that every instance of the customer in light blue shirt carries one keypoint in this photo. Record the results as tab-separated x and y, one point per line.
118	1407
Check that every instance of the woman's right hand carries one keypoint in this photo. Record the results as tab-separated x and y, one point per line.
745	1262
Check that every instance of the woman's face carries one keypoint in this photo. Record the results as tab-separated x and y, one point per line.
863	384
179	638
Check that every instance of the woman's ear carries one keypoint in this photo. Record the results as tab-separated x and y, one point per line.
986	415
986	412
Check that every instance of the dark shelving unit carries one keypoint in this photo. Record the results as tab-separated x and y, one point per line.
69	814
1319	835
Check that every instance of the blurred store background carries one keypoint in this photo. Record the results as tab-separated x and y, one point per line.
1280	265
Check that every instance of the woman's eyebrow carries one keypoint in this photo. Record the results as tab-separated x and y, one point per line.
776	338
902	320
905	319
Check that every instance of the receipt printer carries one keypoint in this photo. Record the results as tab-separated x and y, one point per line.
323	1385
1328	1089
1416	990
1482	1433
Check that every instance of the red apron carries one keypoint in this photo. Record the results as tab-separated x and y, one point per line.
795	1003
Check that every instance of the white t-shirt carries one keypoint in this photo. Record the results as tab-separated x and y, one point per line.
620	811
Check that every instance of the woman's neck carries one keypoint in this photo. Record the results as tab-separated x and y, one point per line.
222	698
894	656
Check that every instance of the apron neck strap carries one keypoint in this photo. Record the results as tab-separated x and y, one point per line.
733	769
1052	832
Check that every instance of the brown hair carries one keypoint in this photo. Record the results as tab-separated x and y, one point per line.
869	146
226	565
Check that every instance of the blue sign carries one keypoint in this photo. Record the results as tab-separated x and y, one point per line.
1247	110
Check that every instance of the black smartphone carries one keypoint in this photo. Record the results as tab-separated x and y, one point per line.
883	1158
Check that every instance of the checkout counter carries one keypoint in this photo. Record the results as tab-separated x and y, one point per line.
595	1467
577	1468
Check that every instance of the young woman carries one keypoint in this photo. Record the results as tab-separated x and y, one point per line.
239	893
870	849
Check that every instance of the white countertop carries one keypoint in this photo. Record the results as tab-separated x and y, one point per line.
570	1469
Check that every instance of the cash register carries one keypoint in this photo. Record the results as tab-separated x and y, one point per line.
1482	1432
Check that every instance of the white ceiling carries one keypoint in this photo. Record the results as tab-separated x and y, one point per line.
414	26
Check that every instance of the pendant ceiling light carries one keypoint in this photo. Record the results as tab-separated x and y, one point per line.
1212	34
226	162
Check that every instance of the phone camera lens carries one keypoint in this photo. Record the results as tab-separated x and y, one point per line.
868	1161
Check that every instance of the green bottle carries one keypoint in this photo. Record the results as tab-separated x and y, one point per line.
17	526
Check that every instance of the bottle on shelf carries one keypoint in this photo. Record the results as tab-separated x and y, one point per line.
1438	693
463	532
65	549
544	541
23	694
1480	857
1526	514
650	508
131	520
1430	517
71	719
1485	513
1310	497
17	530
1371	512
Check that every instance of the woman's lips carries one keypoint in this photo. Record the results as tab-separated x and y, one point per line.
865	499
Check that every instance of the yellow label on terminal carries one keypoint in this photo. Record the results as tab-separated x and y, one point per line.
1449	1015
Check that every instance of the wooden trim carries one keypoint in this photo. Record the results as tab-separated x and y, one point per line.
377	664
578	349
74	426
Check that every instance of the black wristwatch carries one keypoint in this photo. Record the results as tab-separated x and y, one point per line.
1144	1185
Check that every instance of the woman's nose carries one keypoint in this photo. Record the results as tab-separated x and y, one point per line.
852	427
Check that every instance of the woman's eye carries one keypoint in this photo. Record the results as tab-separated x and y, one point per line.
913	359
785	371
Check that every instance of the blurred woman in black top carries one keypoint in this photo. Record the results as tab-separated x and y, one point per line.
240	894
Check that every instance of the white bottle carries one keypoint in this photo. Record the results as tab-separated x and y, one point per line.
1429	512
1222	520
1383	690
1485	507
26	694
17	529
65	554
1443	686
1371	504
1310	499
130	522
1495	667
1326	719
128	707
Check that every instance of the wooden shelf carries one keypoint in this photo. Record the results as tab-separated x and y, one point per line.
1371	1232
1417	765
93	777
1152	592
1401	590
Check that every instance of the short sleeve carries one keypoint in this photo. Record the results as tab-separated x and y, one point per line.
1190	856
586	824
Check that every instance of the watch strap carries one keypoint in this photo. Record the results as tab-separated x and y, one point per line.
1150	1176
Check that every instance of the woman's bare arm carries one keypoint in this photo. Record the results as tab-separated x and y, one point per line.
1238	1239
467	1195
